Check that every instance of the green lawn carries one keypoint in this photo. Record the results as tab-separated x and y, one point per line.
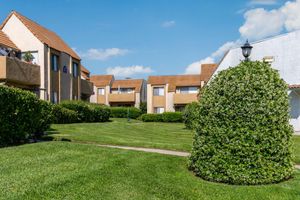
62	170
134	133
297	148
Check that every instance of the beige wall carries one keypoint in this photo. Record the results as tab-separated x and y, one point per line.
65	78
149	98
137	100
26	41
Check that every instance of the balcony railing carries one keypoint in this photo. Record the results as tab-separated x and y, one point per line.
86	87
121	97
15	71
185	98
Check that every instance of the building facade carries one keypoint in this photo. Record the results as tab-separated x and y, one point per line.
124	93
283	53
59	66
173	93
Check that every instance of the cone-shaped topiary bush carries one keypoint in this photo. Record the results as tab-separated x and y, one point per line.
243	135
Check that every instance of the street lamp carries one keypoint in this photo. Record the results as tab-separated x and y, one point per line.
246	49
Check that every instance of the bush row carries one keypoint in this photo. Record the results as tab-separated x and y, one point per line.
22	116
125	112
165	117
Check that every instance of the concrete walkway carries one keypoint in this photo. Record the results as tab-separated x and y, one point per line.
160	151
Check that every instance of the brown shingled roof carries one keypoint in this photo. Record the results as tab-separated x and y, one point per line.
128	83
294	86
207	70
177	80
5	41
43	34
84	72
102	80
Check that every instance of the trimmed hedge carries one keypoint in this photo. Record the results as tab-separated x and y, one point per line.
63	115
165	117
22	116
190	114
143	107
124	112
243	134
88	112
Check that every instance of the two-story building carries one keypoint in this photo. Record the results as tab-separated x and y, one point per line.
86	85
128	92
173	93
59	66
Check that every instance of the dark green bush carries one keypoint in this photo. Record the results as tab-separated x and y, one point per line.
88	112
143	107
151	117
63	115
124	112
165	117
190	114
22	115
243	135
172	117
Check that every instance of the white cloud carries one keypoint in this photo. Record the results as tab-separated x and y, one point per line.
263	2
128	71
103	54
168	24
224	48
194	68
261	23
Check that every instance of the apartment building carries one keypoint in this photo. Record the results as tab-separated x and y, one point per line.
283	53
58	74
127	93
86	86
173	93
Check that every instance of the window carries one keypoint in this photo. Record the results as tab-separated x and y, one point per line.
187	90
126	90
100	91
159	110
159	91
75	69
54	97
54	63
34	54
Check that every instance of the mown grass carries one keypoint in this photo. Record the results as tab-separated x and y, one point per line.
297	149
62	170
171	136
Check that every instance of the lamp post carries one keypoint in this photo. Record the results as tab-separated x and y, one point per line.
246	49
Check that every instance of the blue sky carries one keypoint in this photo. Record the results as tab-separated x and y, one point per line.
150	37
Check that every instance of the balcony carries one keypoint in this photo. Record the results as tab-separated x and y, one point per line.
87	87
185	98
14	71
121	97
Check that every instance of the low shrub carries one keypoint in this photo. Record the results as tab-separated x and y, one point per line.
165	117
22	115
143	107
88	112
151	118
172	117
63	115
124	112
190	114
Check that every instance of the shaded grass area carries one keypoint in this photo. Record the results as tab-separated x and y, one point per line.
62	170
171	136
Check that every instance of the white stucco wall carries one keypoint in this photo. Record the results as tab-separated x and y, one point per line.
285	49
170	102
26	41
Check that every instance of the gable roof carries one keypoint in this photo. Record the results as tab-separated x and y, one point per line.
43	34
102	80
5	41
84	72
128	83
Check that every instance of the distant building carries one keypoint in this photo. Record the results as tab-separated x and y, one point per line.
173	93
54	73
283	53
127	93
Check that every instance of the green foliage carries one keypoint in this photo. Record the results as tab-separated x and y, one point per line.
28	57
165	117
88	112
124	112
63	115
22	115
243	134
151	117
190	114
143	107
